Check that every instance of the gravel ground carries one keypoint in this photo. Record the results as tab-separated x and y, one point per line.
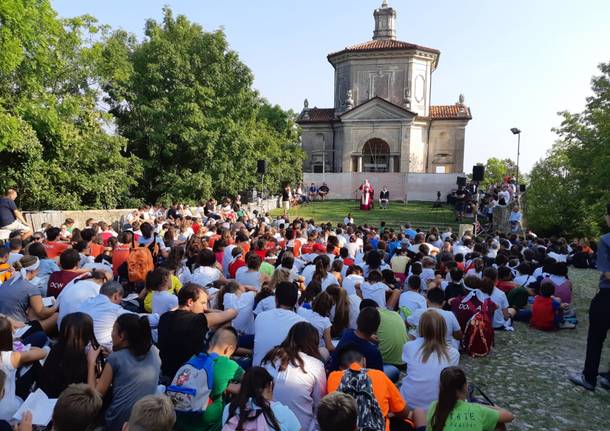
527	372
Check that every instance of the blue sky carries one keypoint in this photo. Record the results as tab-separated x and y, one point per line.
517	62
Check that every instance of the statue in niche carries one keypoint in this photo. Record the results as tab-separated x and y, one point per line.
461	99
349	100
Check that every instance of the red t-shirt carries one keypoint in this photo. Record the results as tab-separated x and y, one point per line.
55	248
105	237
195	227
58	280
543	313
233	267
505	286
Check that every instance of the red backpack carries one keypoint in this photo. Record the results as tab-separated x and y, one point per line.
476	320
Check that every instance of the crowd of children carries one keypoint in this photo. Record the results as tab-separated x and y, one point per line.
216	319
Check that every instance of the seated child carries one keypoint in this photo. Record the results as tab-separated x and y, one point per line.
411	300
151	413
546	310
505	279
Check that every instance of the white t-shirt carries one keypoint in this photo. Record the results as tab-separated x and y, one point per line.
352	248
73	295
350	282
499	298
461	249
412	300
270	329
163	301
300	391
421	384
375	291
308	273
205	275
451	323
524	280
354	310
319	322
10	402
244	304
329	280
265	305
248	278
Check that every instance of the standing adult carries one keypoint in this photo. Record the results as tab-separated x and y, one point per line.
10	217
384	198
286	195
366	199
599	319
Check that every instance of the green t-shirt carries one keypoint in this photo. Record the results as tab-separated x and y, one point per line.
467	417
392	336
267	269
225	370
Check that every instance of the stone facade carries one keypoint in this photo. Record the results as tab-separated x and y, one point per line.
382	119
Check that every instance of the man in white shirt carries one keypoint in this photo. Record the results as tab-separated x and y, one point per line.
79	290
464	248
271	327
104	309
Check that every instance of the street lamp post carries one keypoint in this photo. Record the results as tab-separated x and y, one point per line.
517	132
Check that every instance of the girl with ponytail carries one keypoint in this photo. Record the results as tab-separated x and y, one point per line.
132	368
451	411
253	405
321	273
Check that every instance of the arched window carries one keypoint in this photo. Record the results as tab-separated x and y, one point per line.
375	156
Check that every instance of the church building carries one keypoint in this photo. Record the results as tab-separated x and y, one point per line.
382	120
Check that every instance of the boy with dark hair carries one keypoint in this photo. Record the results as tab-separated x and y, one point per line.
436	301
363	338
272	326
68	262
546	309
54	247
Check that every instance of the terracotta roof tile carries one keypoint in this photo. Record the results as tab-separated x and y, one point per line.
383	44
449	112
317	115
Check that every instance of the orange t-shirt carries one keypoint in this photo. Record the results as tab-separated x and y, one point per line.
385	392
96	249
55	248
5	274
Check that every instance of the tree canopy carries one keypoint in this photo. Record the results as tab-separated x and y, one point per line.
185	103
54	146
496	169
94	118
570	188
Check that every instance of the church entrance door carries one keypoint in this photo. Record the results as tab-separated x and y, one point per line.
376	156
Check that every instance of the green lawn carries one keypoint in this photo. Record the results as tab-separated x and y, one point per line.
419	214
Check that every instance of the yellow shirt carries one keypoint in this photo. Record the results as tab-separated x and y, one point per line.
175	288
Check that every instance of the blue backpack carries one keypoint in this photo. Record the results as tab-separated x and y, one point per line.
191	387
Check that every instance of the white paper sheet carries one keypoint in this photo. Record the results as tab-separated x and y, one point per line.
48	301
41	407
20	331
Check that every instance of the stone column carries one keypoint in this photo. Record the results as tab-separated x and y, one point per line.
359	163
391	166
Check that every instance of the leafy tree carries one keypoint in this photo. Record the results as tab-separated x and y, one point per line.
185	103
573	183
496	169
54	141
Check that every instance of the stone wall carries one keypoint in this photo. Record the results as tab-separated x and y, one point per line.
116	217
411	186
